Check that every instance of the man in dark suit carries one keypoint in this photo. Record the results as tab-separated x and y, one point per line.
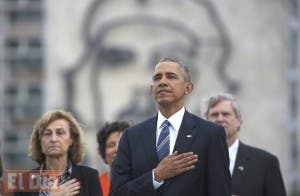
187	156
255	172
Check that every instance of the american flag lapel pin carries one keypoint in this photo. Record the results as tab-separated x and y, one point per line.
241	168
189	136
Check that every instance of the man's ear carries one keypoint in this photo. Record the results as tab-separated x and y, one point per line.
188	88
240	121
151	87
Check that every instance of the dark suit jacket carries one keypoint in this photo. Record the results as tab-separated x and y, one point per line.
136	158
256	173
89	182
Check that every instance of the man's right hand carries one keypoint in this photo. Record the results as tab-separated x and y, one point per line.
174	165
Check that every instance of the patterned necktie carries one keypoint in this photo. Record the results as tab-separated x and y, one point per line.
163	143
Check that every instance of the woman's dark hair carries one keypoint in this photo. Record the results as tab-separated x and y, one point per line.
105	131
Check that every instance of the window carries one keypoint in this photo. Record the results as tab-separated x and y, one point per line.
24	54
23	101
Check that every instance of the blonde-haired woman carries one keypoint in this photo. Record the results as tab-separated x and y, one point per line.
56	144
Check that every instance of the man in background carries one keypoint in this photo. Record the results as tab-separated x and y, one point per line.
254	171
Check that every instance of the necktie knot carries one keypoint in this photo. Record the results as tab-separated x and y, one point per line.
166	123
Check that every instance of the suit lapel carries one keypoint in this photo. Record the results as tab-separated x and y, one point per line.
149	137
185	137
186	133
240	167
76	174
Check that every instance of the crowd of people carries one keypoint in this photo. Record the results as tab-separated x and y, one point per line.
174	153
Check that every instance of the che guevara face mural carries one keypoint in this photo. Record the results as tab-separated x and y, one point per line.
123	40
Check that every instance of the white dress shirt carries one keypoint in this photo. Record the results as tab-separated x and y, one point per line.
175	123
233	149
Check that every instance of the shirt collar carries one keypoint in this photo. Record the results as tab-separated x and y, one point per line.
233	149
69	167
175	119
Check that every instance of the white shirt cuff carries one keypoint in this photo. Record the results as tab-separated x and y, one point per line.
156	184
